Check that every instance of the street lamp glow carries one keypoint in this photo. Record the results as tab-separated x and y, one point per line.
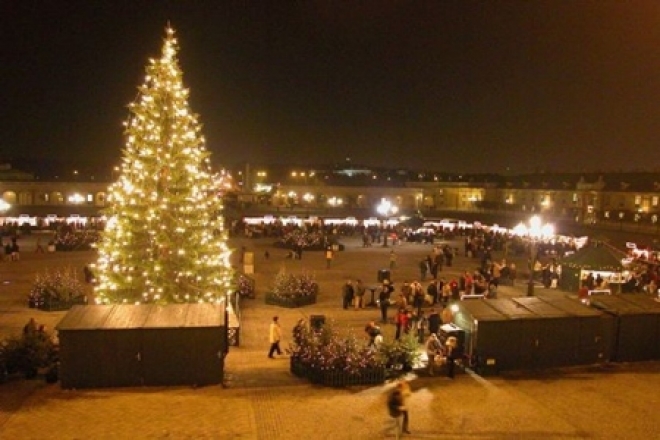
386	208
536	229
4	206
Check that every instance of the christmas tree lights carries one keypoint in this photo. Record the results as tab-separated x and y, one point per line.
164	240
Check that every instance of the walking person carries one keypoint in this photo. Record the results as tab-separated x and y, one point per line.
396	404
329	255
275	335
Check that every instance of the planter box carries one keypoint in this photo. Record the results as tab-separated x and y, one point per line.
53	305
290	301
342	379
299	369
247	286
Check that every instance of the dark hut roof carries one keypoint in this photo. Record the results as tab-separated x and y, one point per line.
594	257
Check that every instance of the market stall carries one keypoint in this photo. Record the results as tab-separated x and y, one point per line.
601	261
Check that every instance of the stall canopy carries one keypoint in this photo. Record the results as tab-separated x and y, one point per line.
598	259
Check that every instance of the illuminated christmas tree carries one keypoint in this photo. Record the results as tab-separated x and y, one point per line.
164	240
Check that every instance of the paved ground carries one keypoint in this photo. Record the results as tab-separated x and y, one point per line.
264	401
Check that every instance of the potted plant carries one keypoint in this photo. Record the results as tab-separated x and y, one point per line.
293	290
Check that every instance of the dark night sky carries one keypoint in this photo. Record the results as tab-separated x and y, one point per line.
443	85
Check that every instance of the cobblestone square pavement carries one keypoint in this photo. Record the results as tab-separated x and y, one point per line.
263	400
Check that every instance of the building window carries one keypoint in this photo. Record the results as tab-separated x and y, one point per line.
654	201
638	200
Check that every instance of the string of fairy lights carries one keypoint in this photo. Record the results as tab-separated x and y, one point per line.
164	240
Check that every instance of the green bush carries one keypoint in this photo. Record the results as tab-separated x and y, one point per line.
402	354
59	286
27	354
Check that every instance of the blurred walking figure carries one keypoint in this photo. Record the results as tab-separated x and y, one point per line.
396	404
329	255
275	335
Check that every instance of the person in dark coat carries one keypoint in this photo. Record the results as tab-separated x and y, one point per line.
347	294
384	300
434	321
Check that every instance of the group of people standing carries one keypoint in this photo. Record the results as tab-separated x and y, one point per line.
353	294
11	249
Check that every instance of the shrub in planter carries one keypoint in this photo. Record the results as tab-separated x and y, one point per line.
28	353
245	286
401	355
327	358
57	290
293	290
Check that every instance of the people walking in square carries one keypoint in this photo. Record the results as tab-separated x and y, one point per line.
423	269
275	335
396	403
392	259
329	255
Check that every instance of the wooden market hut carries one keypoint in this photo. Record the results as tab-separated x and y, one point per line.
596	258
145	344
534	333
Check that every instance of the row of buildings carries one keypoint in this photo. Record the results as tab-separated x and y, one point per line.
585	197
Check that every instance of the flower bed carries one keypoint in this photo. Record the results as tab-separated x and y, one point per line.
290	300
245	286
56	291
292	290
326	358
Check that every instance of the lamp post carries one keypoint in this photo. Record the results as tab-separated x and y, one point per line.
534	232
385	209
